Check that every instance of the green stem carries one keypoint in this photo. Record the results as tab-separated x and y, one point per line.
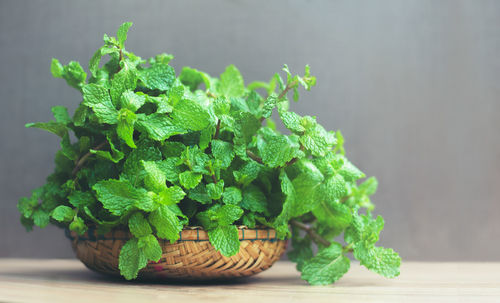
84	158
311	232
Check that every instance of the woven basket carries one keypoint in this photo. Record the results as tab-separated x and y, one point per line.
192	257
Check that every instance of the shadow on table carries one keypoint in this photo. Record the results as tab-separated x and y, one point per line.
86	275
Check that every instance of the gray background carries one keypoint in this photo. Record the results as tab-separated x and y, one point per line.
413	85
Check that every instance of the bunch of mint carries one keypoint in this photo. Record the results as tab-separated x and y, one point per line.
155	153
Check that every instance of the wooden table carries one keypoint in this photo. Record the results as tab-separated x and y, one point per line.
68	281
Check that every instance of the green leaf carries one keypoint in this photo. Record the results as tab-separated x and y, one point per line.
158	126
278	151
223	151
97	98
215	191
315	138
327	266
114	155
292	121
119	196
231	83
51	126
125	79
246	174
26	206
191	115
191	77
369	186
227	214
56	68
63	213
41	218
225	239
74	75
232	195
125	127
121	34
61	114
200	194
306	186
131	260
189	179
80	199
350	172
138	225
67	149
171	195
78	226
301	251
150	247
158	76
254	199
166	223
383	261
131	100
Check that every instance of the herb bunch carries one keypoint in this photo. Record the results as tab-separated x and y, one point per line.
155	153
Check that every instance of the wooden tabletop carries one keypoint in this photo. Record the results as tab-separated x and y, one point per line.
27	280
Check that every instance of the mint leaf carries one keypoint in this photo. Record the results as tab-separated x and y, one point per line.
248	173
151	247
41	218
189	179
158	126
97	98
231	83
225	239
78	226
254	199
121	34
125	79
125	127
215	191
327	266
131	100
278	151
158	76
227	214
51	126
166	223
138	225
114	155
171	195
190	115
56	68
315	138
383	261
119	196
131	259
80	199
61	114
223	152
63	213
232	195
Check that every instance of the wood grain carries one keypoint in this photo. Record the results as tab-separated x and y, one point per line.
27	280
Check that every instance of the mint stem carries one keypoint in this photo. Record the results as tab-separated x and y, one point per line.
311	232
82	160
254	157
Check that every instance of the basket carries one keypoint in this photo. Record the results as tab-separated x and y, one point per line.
192	257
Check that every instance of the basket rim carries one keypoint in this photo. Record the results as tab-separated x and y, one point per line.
188	233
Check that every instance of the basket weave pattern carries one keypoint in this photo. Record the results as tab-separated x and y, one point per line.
191	257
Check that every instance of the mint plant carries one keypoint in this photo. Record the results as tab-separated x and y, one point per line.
156	151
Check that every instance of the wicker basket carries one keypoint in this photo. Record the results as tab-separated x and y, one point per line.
192	257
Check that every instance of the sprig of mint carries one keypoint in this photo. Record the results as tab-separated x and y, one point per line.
156	151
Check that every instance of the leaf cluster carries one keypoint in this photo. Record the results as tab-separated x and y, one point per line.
152	151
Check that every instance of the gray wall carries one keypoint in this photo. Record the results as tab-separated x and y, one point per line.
413	85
